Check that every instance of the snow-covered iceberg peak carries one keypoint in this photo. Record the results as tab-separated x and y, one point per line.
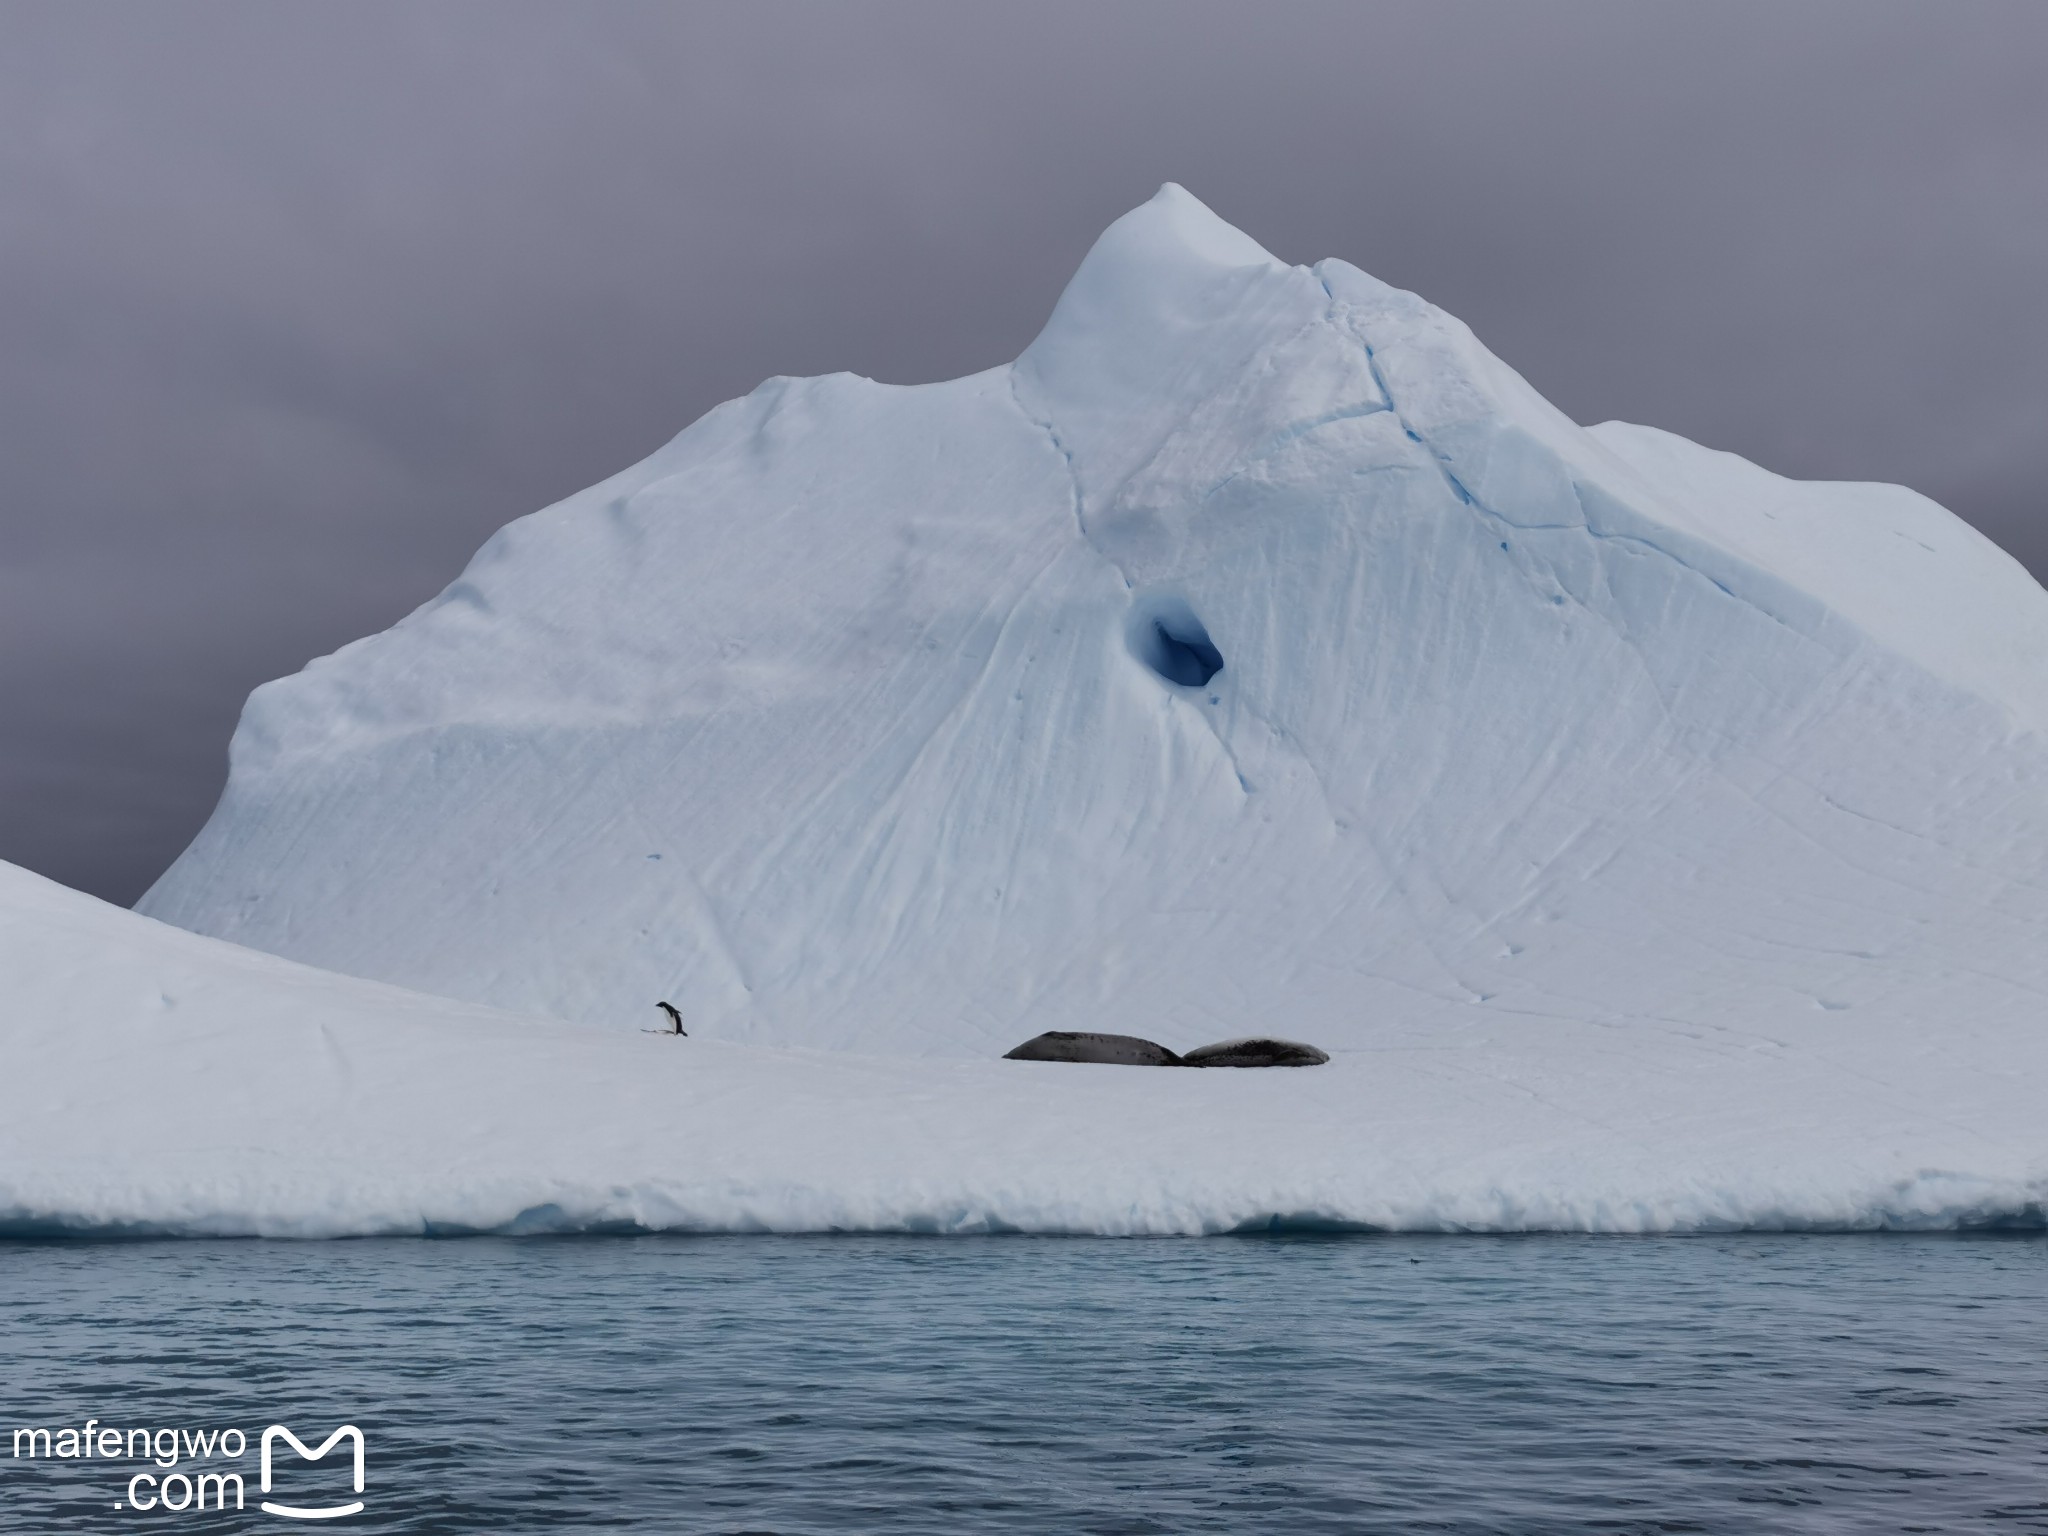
1152	287
1257	654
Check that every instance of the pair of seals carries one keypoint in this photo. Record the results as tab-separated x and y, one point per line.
1130	1051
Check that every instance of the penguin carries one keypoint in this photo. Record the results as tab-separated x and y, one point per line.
674	1018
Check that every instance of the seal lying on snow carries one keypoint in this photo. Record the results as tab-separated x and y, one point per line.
1256	1051
1104	1050
1130	1051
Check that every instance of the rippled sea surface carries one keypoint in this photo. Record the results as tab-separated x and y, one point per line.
1722	1384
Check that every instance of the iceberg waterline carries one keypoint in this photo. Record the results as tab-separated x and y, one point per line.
1655	843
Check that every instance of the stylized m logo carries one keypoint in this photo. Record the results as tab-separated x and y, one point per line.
331	1511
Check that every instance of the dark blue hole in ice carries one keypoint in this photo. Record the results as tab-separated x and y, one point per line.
1168	638
1188	659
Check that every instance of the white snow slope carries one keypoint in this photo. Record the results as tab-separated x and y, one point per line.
159	1081
1654	842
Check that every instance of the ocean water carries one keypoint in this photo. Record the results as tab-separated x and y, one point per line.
1735	1384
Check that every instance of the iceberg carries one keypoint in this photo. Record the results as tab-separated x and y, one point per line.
1654	843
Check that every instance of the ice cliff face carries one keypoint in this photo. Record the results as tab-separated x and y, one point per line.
1256	654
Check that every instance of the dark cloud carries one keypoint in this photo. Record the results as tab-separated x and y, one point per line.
301	301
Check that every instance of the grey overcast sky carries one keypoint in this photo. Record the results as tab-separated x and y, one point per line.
299	301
